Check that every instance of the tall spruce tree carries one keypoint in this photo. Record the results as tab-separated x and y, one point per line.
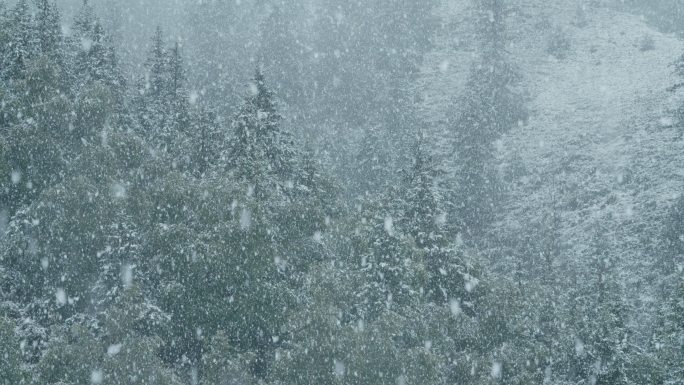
603	346
207	138
152	89
492	104
424	220
22	45
95	59
670	338
48	29
11	371
178	94
162	103
261	152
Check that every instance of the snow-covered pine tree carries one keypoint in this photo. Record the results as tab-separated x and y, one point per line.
207	139
670	338
373	161
48	30
392	272
422	203
603	350
162	103
38	122
423	219
492	104
5	46
178	103
224	363
157	65
84	21
11	367
150	102
672	256
98	89
22	42
95	59
260	151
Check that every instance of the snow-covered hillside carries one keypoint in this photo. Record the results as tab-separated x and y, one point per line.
599	148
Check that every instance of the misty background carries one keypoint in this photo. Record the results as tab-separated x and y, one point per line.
341	192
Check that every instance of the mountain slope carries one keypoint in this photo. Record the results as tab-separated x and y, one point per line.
599	153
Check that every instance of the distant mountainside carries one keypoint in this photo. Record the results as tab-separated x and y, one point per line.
600	153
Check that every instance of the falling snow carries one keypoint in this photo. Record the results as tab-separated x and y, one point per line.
330	191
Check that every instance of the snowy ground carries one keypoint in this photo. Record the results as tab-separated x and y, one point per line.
599	148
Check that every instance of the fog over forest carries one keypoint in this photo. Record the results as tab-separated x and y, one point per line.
367	192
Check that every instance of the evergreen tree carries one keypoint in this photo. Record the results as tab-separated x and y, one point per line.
35	137
72	356
224	364
602	333
491	105
393	271
671	257
374	163
207	139
48	29
362	71
22	45
98	84
95	59
335	342
423	215
5	49
152	88
670	338
162	104
156	65
178	93
261	153
84	21
11	364
424	221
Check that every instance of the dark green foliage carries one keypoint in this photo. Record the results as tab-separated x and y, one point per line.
673	241
224	364
491	106
48	29
333	343
162	103
21	41
122	349
391	267
670	334
261	152
11	372
146	238
207	138
71	356
95	68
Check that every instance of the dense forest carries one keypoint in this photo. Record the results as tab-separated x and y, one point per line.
341	192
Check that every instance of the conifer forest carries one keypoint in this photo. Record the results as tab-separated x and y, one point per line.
341	192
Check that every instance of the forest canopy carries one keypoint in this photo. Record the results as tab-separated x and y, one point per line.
341	192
